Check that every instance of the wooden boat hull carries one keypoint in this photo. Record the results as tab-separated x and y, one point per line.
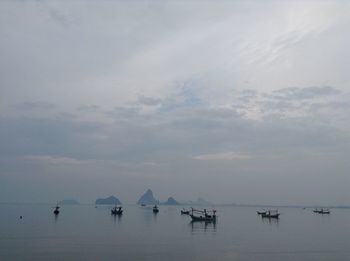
205	219
271	215
322	212
116	213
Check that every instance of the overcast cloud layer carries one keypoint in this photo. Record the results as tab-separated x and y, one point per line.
233	101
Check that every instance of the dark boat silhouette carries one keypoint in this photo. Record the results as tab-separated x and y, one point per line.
271	214
322	211
117	211
57	210
202	215
261	212
155	209
185	212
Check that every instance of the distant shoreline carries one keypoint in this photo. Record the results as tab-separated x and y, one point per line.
217	205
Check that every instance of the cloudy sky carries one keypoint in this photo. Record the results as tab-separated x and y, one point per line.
233	101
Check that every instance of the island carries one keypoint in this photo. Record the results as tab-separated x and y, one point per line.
147	199
170	201
112	200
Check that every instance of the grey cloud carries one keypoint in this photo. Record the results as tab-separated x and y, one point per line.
295	93
149	101
89	108
33	105
123	112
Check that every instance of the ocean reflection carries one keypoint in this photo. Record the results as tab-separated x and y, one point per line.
148	216
117	219
274	221
197	226
56	217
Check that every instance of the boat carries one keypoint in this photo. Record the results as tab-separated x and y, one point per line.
271	214
322	211
155	209
261	212
185	212
202	215
117	211
143	204
57	210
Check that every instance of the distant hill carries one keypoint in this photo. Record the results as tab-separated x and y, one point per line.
68	202
108	201
199	201
170	201
147	198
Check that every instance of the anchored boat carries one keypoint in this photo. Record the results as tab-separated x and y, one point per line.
261	212
203	215
322	211
117	211
271	214
155	209
57	210
185	212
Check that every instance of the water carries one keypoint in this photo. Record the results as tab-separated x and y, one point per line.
84	232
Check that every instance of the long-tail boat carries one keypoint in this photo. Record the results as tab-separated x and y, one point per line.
271	214
322	211
261	212
203	215
117	211
155	209
57	210
185	212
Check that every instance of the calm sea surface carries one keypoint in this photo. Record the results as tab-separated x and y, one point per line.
84	232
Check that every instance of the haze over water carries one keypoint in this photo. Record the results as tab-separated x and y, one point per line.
86	233
243	102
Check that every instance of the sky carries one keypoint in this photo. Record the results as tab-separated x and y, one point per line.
232	101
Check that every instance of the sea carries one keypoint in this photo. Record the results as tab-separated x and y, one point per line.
86	232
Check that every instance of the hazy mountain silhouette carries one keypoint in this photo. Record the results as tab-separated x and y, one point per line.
147	198
170	201
108	201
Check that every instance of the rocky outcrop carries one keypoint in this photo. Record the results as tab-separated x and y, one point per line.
108	201
147	198
170	201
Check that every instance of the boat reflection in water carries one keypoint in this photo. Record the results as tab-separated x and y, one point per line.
202	226
273	221
203	215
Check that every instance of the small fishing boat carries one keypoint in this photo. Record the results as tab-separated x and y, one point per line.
116	211
322	211
271	214
155	209
202	215
185	212
261	212
57	210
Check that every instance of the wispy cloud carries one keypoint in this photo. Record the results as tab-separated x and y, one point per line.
34	105
229	155
54	160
